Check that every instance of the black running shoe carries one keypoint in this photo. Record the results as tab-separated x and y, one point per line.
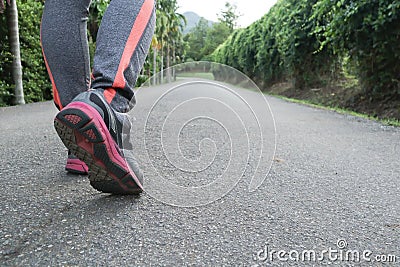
99	136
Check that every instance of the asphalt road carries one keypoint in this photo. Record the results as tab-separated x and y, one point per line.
334	178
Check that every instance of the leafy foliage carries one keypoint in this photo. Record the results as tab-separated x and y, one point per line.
369	32
168	46
309	42
229	15
6	60
204	38
37	86
306	42
278	47
36	83
97	10
2	6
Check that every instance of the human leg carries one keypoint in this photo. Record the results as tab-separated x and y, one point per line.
123	42
92	125
66	53
65	48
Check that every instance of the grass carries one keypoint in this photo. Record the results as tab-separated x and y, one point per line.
203	75
388	122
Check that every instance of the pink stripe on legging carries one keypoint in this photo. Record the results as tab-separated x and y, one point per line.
134	37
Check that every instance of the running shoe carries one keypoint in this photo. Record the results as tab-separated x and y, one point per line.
99	136
75	165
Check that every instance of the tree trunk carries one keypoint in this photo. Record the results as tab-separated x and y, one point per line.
154	65
168	65
162	64
16	68
173	62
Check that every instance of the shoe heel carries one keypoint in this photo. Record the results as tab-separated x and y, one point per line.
85	134
80	121
73	118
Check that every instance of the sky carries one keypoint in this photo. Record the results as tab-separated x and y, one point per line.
251	10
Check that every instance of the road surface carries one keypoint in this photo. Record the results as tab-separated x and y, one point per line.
334	185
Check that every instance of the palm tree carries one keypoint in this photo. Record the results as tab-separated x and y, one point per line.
155	46
161	31
168	33
177	34
13	35
176	23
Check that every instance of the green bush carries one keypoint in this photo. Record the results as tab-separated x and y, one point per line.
6	83
37	86
309	42
278	47
368	31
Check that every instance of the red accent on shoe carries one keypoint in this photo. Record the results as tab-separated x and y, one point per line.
109	94
91	134
73	119
76	166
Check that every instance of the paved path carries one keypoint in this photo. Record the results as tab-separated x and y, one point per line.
334	177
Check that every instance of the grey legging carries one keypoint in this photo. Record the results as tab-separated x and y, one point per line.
123	41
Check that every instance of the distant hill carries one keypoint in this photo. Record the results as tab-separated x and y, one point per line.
192	19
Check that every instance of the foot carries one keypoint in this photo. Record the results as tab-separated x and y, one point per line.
93	131
75	165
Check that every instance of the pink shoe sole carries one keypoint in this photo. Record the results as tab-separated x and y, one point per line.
76	166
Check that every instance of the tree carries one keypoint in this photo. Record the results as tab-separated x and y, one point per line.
155	47
229	15
13	35
216	35
175	25
168	34
196	39
96	12
2	7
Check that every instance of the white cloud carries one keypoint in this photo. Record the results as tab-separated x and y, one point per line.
251	10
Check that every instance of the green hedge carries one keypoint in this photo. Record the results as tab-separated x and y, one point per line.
307	42
369	32
5	59
278	47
